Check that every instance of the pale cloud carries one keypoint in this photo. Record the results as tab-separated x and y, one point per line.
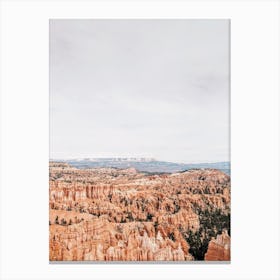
155	88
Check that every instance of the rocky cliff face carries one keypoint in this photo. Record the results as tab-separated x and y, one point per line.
219	248
98	239
112	214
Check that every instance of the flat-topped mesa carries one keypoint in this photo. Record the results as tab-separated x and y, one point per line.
123	214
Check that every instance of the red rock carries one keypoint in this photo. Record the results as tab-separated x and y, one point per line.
219	248
111	214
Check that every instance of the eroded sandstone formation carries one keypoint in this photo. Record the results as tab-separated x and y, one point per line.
219	248
109	214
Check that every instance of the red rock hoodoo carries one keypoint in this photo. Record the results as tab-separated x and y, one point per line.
107	214
219	248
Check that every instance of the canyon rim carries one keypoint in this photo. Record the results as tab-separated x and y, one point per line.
139	167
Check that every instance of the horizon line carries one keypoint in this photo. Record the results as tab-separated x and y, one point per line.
138	158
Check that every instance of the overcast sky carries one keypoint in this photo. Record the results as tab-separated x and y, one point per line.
140	88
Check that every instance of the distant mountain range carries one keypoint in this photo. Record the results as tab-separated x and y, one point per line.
149	165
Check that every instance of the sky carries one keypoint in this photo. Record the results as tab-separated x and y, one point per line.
140	88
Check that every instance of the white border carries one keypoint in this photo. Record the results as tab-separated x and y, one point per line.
254	138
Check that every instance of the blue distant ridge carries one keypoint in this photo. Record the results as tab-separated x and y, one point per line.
143	165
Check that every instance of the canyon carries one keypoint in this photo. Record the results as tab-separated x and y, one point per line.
112	214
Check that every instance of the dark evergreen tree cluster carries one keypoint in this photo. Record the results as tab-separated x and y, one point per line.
212	222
